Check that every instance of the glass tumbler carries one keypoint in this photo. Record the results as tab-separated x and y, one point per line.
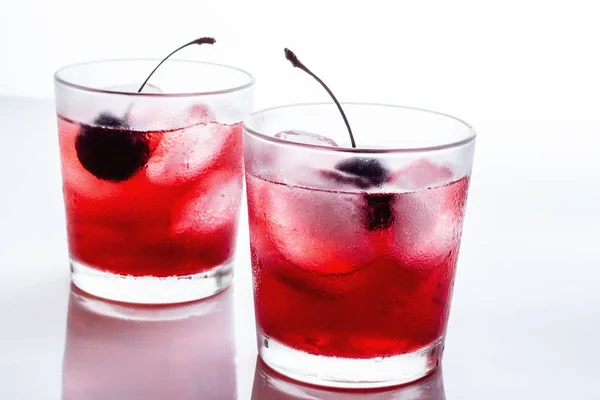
152	180
354	249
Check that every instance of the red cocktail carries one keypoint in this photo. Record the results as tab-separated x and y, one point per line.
354	275
170	218
354	249
152	180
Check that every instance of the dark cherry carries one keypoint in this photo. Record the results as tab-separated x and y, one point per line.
367	172
363	173
109	149
379	211
111	121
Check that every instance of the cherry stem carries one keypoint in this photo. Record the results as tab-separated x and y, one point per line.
202	40
298	64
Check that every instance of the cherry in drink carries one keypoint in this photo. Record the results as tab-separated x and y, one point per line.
152	176
354	249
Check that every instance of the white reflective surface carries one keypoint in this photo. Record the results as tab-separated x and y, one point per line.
524	324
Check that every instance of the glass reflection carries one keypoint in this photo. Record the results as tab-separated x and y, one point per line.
122	351
270	385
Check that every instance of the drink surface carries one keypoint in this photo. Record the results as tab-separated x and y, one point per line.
357	275
177	215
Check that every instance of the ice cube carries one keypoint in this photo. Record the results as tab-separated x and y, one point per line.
421	174
427	225
212	208
306	138
185	154
147	115
287	165
198	114
314	230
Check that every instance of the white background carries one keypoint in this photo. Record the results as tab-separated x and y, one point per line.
525	73
511	61
520	58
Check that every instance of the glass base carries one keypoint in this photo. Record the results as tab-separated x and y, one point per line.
149	289
144	312
350	373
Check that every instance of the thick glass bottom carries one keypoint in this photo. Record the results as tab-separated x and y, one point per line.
149	289
348	372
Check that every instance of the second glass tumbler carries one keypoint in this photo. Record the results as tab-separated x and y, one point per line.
354	249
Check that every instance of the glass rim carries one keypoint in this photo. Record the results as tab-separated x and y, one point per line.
250	80
423	149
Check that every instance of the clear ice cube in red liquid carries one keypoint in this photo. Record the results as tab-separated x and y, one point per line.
420	174
137	227
326	285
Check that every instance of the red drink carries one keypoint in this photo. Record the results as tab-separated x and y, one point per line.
330	282
354	243
152	175
175	216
